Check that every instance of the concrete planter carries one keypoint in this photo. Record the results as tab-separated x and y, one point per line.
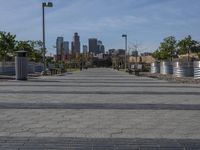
183	69
155	67
166	67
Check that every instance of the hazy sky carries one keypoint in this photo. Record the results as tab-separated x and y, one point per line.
146	22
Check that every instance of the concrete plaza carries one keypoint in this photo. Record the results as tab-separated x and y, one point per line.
99	109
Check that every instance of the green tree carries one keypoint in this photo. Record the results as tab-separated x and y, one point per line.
33	49
168	47
7	44
188	45
37	52
156	55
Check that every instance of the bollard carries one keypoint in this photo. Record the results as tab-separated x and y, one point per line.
21	67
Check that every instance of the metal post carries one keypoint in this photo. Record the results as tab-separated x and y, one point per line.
125	36
125	51
44	4
43	35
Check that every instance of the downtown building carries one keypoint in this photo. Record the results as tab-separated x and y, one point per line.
95	46
75	44
92	43
62	49
59	48
85	49
101	48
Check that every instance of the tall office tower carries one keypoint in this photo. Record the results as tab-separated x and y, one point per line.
101	48
72	47
59	47
65	51
66	47
99	45
84	49
75	44
93	48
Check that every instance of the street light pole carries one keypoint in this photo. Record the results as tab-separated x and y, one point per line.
44	4
125	36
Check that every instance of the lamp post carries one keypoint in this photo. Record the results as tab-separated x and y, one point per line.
44	4
125	36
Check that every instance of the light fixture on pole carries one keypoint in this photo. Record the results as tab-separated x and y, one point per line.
44	4
125	36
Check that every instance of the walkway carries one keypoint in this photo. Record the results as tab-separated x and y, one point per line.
99	109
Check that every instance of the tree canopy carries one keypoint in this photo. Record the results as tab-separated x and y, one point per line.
9	45
188	45
167	49
170	47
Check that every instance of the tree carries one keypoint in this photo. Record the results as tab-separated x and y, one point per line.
38	50
33	49
156	55
168	47
7	44
188	45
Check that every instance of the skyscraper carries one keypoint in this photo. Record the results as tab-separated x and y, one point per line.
101	48
75	45
66	47
65	51
92	42
59	47
62	49
84	49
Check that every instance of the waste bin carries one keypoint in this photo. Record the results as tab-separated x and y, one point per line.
21	67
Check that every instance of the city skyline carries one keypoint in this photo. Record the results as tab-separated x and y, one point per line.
76	46
146	22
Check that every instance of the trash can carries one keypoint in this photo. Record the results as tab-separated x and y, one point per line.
21	67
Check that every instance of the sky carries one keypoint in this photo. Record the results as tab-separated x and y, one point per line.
146	22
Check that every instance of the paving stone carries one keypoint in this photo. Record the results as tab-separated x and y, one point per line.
99	109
